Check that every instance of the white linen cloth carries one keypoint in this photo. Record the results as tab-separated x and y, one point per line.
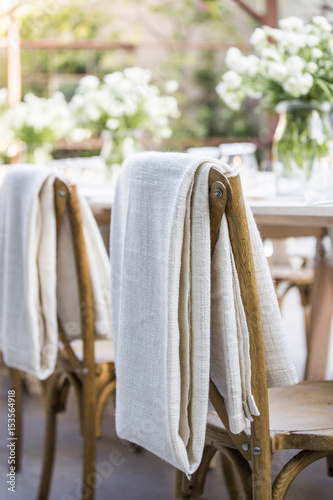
29	283
170	332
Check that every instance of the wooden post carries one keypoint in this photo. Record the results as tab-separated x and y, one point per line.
13	58
271	15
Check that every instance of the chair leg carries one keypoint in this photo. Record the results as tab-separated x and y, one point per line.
88	412
89	454
330	465
261	475
16	383
57	392
102	398
237	473
292	469
190	488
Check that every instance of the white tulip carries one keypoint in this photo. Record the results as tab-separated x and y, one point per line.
316	53
80	134
112	79
274	33
165	132
294	65
291	23
233	79
243	65
253	63
293	41
232	57
312	40
306	83
312	67
124	87
257	37
92	112
232	101
112	124
89	82
137	75
271	55
292	86
171	86
276	71
322	23
29	98
170	105
221	89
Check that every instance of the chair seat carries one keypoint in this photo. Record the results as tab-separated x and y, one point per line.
104	351
300	277
301	417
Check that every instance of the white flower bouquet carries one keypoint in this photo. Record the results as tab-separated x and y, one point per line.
3	100
291	71
120	106
37	124
6	135
292	62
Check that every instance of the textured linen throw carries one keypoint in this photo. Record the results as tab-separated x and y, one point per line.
171	333
31	278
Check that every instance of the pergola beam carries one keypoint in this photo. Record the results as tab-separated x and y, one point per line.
270	17
105	45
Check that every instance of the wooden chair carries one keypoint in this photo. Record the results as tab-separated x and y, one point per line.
285	279
295	417
93	381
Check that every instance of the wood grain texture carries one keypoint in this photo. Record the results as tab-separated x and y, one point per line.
189	487
93	382
321	317
237	474
292	469
241	247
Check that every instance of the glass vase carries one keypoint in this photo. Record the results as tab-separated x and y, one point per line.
37	154
302	149
116	147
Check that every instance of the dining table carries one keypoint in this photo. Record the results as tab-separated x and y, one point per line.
282	218
278	218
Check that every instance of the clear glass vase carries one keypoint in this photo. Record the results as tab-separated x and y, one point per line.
302	149
116	147
38	154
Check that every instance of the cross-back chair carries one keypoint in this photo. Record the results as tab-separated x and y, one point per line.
92	380
296	417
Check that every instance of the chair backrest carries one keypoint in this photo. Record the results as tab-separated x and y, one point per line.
66	197
226	196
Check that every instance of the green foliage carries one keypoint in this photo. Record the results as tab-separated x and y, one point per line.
197	71
305	137
53	19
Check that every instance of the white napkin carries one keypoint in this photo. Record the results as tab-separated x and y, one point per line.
164	315
28	272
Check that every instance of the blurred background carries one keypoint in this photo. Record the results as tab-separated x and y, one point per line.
49	45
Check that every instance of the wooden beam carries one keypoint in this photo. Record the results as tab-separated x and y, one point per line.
270	17
105	45
252	12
